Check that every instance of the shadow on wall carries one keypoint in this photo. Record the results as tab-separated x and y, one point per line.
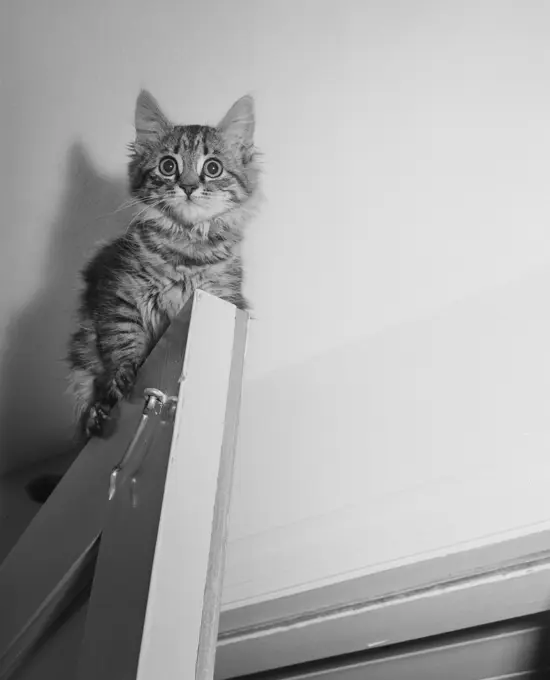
35	411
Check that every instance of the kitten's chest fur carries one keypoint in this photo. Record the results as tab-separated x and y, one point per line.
168	293
180	284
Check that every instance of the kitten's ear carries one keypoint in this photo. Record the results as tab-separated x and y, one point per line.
150	122
238	123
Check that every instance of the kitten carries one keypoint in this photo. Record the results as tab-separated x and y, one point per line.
197	187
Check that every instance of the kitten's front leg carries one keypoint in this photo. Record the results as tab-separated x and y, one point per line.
108	391
122	351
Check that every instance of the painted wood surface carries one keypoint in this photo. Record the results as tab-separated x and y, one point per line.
501	653
471	588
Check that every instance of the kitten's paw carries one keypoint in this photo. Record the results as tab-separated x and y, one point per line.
99	421
125	381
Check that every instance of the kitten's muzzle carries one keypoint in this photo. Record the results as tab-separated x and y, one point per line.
189	189
189	183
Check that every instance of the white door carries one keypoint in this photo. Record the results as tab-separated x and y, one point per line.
145	513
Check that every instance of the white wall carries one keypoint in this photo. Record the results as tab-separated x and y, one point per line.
420	425
400	269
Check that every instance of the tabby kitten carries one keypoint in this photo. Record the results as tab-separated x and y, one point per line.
197	187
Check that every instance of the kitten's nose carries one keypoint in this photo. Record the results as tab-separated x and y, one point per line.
189	182
189	188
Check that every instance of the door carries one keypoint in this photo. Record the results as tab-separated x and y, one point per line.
145	513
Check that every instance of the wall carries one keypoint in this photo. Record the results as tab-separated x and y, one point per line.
425	429
399	271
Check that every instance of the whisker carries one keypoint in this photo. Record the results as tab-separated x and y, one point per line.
144	209
124	206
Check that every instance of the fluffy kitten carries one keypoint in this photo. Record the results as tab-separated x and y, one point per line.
197	187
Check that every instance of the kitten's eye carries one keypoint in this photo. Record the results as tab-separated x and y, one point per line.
213	168
167	166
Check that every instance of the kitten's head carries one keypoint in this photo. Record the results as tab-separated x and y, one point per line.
193	173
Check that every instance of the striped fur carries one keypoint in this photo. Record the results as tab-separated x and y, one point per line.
137	283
